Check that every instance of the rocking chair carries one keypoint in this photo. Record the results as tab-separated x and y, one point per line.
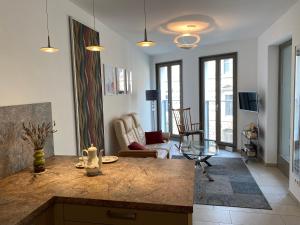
185	126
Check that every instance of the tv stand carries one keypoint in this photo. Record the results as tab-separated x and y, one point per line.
250	145
250	137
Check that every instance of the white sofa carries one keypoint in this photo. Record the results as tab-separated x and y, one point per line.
128	129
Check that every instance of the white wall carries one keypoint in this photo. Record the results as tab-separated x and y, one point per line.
283	29
29	76
247	73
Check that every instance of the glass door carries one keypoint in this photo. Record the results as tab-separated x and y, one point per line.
169	84
210	100
296	116
226	91
218	98
284	109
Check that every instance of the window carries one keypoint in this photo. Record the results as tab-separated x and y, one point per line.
228	105
218	97
227	66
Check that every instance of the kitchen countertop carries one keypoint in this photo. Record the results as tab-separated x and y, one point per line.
136	183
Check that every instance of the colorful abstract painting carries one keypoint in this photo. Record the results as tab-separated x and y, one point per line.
87	87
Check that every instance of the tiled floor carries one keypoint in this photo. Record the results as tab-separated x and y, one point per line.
273	184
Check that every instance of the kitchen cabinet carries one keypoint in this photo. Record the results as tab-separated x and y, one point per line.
121	216
44	218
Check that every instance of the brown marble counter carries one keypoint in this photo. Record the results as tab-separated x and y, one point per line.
149	184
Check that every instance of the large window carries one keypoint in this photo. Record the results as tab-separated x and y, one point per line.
227	67
218	98
228	105
169	84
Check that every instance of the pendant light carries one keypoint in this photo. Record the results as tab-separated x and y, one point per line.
145	42
49	48
94	47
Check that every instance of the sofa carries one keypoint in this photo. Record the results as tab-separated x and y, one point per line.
128	130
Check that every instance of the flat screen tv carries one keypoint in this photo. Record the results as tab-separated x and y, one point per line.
248	101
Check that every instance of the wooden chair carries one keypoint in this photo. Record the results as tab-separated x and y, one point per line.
185	126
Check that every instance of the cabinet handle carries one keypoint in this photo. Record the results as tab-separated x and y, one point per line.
120	215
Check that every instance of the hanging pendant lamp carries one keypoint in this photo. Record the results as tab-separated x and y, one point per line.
145	42
49	48
94	47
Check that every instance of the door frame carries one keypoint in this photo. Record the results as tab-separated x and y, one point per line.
218	57
283	166
168	64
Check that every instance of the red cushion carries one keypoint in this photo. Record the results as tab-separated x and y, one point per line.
154	137
136	146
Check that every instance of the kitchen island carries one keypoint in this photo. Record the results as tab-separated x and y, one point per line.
130	191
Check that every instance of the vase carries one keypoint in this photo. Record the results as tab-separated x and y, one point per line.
39	161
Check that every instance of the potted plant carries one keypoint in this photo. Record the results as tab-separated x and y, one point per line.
36	135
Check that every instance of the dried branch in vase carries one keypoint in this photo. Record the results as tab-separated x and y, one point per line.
36	135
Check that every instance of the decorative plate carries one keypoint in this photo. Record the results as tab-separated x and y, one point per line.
109	159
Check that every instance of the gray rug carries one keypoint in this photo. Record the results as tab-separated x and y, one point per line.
233	185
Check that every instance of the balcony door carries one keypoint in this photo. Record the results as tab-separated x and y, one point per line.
218	96
169	84
284	109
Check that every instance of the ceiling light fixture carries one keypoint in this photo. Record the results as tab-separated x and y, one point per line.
145	42
94	47
187	26
187	40
49	48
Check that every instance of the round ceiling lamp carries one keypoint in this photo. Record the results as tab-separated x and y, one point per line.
48	48
187	40
187	26
94	47
145	42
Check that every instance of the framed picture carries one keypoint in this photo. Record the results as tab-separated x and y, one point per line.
129	81
110	83
87	82
121	81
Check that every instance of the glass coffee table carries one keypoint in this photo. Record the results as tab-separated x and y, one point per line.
200	153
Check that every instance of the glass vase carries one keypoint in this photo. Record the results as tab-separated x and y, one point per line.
39	161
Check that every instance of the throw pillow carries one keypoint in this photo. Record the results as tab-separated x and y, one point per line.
136	146
154	137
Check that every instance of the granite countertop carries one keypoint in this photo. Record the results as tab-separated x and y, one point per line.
149	184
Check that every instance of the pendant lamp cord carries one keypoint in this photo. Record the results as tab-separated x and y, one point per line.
94	13
47	17
145	13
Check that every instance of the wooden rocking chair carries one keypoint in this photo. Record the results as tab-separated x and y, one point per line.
185	126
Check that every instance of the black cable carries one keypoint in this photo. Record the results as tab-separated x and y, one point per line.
94	13
47	17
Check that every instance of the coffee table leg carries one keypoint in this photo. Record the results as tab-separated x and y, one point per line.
209	177
205	160
199	163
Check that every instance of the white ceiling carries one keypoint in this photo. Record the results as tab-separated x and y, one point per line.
234	19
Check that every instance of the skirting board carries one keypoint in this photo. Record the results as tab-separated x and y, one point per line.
270	164
293	197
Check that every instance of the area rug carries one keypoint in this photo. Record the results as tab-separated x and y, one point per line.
233	185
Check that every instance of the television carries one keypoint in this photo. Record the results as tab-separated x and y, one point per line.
248	101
